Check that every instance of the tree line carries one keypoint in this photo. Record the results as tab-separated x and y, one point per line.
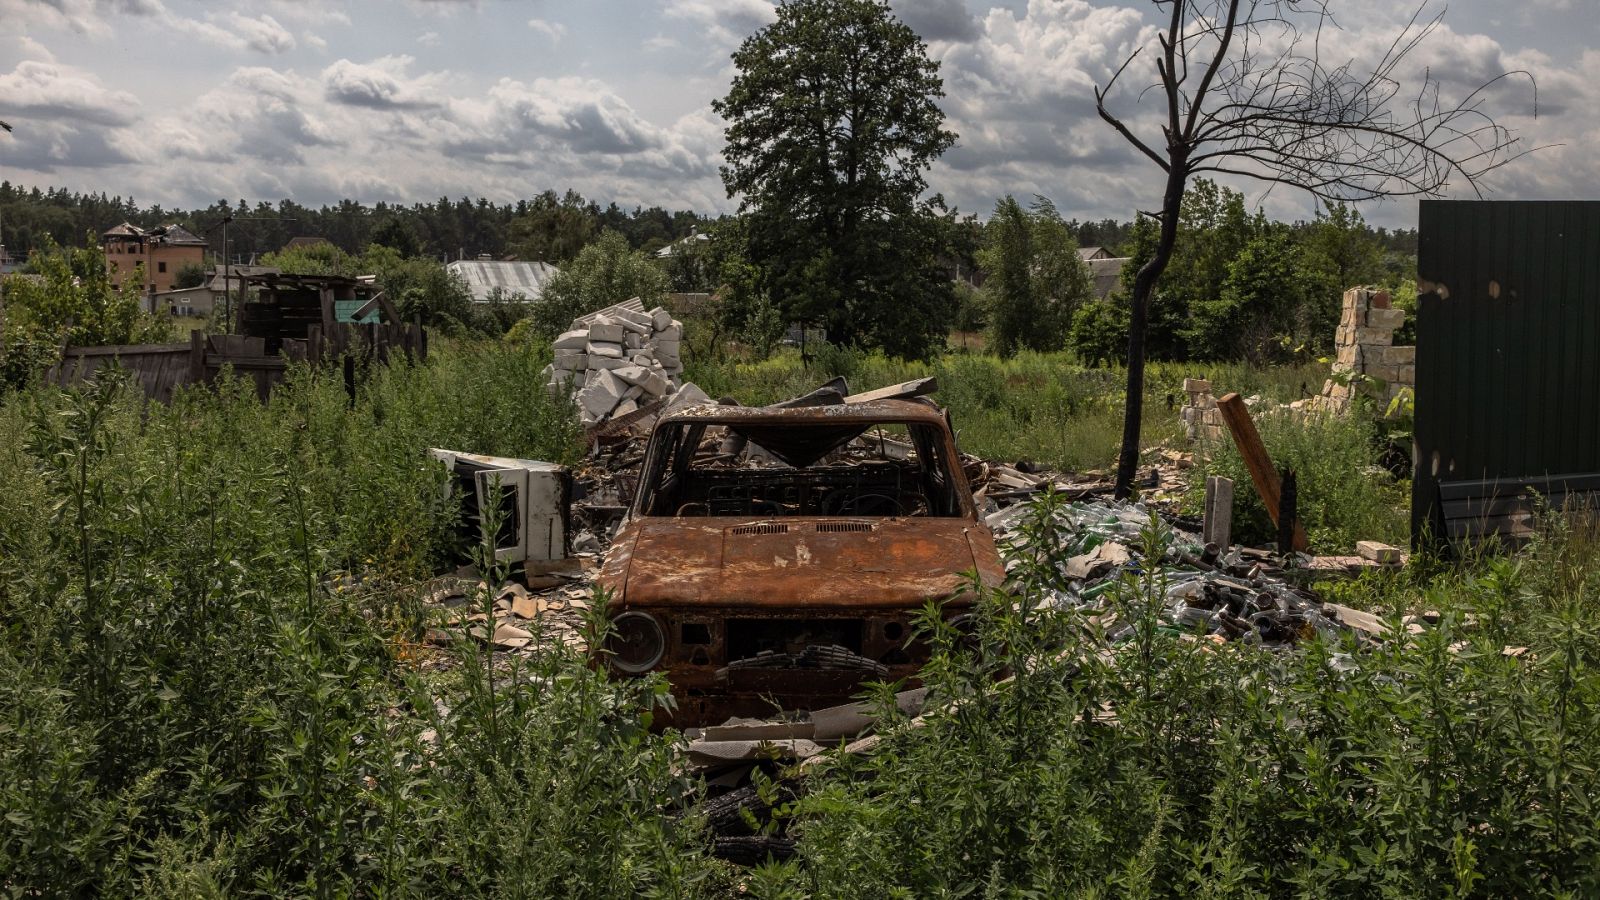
551	227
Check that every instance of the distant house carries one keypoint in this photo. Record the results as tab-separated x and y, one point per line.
163	251
295	243
1105	272
513	278
201	300
1089	253
682	245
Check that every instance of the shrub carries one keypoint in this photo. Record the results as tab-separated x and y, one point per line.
1050	762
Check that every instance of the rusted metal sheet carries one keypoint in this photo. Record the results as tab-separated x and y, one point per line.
789	562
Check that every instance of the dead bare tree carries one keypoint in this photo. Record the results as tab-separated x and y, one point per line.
1247	93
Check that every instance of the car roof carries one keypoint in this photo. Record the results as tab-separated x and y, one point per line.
870	412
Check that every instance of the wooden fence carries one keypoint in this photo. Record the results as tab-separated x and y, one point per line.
161	369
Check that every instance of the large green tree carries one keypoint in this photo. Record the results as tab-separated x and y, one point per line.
832	124
1034	278
605	272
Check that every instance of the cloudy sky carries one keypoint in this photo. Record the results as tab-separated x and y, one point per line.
183	103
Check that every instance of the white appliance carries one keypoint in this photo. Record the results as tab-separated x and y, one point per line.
536	497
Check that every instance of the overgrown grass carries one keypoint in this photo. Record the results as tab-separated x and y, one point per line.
1343	495
208	625
205	623
1432	766
1042	407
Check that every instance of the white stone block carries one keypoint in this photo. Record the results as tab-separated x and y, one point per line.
597	363
611	350
633	374
632	341
660	318
572	340
1386	318
572	362
673	332
655	384
625	407
625	317
602	394
604	331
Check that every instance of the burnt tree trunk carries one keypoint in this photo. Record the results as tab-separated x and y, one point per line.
1139	314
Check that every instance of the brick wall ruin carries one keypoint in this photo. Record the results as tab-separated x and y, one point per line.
1364	345
1202	421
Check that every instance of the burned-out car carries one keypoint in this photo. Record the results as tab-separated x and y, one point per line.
779	555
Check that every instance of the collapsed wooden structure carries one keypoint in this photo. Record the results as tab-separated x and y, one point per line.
317	319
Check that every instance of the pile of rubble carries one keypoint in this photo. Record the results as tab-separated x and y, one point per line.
618	359
1237	593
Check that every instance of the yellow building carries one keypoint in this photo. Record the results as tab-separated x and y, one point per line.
163	251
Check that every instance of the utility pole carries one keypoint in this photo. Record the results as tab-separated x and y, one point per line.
3	257
227	263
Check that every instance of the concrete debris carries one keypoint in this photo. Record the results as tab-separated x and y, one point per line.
618	360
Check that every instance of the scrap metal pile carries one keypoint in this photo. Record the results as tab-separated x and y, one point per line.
1237	594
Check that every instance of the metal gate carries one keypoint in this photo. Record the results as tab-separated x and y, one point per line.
1508	363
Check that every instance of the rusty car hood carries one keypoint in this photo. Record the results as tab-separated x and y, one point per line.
848	563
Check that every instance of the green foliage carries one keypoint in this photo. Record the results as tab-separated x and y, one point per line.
419	286
74	300
1346	248
189	275
1035	280
1099	332
833	122
606	272
1273	300
209	616
314	259
395	234
1062	757
553	229
1344	495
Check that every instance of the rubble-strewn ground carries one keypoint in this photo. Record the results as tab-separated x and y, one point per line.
215	620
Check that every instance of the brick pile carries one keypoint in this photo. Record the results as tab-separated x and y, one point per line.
618	359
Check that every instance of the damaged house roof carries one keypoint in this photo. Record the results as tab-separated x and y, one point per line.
511	277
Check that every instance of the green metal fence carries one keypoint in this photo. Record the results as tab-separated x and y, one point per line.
1508	362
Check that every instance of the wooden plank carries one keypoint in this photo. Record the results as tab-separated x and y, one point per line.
917	387
218	360
126	350
1262	473
197	356
389	309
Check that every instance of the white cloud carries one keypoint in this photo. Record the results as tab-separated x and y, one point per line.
727	22
1019	83
81	16
63	117
40	90
555	31
380	84
263	34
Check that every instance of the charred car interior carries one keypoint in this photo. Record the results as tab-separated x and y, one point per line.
775	557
